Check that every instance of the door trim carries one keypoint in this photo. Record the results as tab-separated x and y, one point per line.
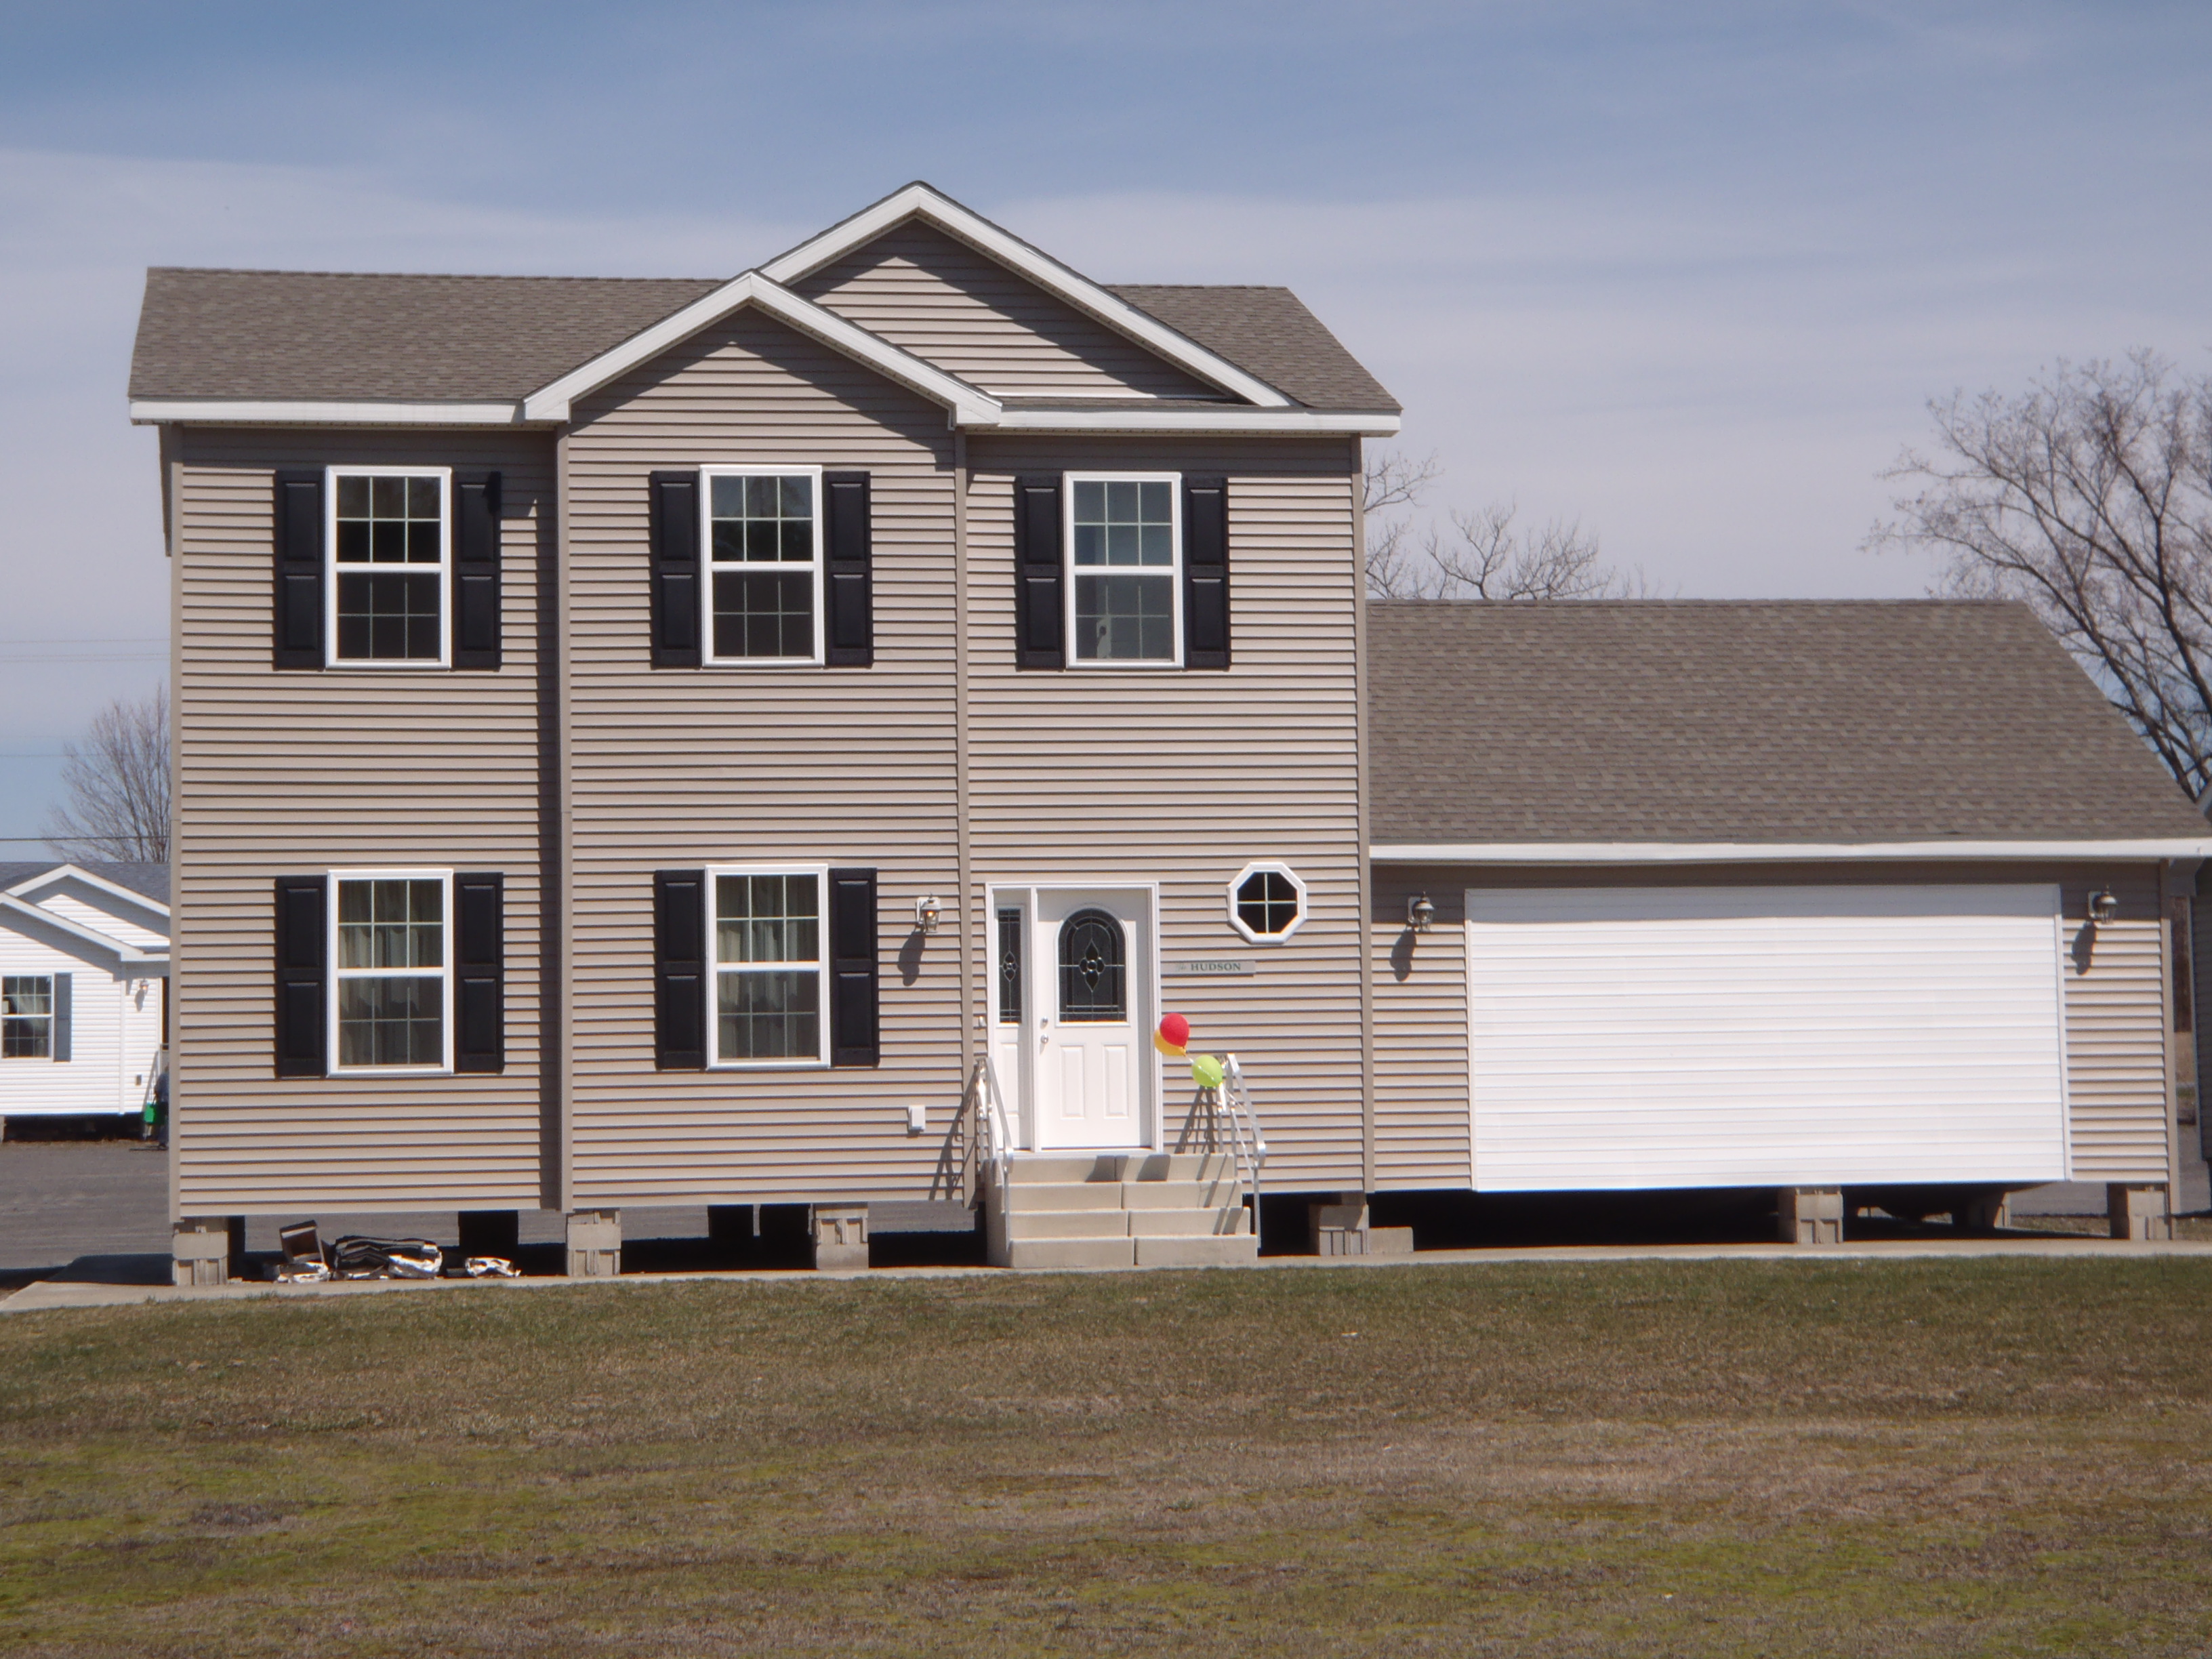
1021	1090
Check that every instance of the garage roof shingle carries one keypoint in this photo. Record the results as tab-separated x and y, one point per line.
1815	721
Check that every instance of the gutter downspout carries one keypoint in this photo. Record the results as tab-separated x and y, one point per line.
970	903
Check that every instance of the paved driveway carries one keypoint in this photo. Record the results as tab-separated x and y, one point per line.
60	1200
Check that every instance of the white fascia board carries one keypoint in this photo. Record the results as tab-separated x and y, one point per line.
969	405
302	411
61	872
920	201
128	955
1258	420
1654	852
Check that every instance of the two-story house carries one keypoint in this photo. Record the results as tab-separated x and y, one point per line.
648	743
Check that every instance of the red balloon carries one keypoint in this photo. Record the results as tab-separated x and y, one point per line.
1175	1029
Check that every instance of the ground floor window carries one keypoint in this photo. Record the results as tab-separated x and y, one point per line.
767	927
27	1017
390	989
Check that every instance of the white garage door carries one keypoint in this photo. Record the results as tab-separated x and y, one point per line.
1669	1037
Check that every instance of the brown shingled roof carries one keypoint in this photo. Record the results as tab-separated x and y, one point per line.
321	335
317	336
1266	331
1764	721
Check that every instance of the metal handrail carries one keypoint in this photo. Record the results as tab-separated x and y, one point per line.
990	1143
1247	1143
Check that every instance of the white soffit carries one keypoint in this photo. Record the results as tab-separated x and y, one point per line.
1263	420
310	411
920	201
969	405
1633	851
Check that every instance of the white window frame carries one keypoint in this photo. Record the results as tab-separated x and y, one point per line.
331	567
708	568
820	873
1069	569
444	971
1268	866
47	1058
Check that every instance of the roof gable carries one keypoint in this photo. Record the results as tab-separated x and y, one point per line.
955	306
920	201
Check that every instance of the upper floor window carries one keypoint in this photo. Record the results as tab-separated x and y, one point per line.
1266	903
763	535
27	1017
1125	554
769	967
390	542
390	990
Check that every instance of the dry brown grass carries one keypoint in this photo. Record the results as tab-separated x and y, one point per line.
1964	1457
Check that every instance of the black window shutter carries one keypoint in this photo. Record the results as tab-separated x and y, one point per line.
1205	571
1038	574
855	1039
302	961
679	969
480	971
850	584
675	577
476	573
65	1006
298	576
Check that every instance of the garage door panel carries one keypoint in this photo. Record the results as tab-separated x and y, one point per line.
1636	1037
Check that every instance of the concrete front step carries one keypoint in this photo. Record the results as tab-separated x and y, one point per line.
1072	1251
1108	1223
1177	1195
1060	1195
1229	1251
1033	1168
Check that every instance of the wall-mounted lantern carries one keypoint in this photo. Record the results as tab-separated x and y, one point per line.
927	912
1420	913
2104	906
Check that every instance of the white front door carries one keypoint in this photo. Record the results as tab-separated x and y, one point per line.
1093	979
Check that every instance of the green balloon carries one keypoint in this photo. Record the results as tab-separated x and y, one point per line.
1205	1071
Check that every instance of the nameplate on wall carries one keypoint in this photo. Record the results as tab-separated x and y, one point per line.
1208	967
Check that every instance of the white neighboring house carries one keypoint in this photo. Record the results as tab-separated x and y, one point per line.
84	967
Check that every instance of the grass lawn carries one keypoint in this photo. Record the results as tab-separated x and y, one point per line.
1987	1456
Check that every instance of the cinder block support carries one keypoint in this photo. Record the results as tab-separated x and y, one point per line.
200	1247
594	1243
1988	1213
1339	1228
841	1234
2138	1213
1809	1215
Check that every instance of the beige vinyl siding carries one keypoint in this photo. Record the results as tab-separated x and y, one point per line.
1423	1121
1182	777
302	771
677	768
2116	1066
963	311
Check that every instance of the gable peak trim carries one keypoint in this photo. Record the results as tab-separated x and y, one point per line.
924	202
969	405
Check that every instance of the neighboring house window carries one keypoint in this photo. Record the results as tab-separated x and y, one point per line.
391	1000
1266	903
390	544
764	566
1125	557
769	967
27	1017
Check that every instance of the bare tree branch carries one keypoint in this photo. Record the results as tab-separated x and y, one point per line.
2089	497
1484	557
118	786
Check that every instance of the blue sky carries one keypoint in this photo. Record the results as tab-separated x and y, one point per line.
1688	273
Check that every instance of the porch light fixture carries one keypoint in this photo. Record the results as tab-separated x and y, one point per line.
1420	913
927	912
2104	906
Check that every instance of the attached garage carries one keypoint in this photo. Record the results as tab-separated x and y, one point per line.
1800	896
1693	1037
